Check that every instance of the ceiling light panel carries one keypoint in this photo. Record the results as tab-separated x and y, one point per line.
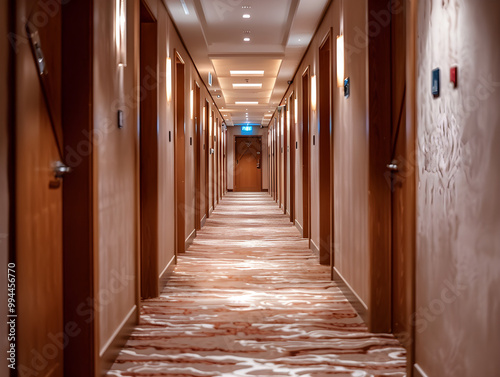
247	86
247	73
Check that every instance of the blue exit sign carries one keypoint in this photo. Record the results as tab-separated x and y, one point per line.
246	128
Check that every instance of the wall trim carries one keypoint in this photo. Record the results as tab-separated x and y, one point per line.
299	227
418	371
210	211
165	274
190	239
203	220
351	295
109	352
314	247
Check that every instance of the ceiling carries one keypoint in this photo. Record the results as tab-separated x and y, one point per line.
278	33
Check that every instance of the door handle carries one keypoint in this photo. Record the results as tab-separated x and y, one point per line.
60	170
393	166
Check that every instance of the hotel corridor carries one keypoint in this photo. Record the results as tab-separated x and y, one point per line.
249	298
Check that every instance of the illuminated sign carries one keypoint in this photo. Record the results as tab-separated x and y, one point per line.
246	128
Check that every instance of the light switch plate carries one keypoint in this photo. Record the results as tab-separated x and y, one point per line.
435	82
454	76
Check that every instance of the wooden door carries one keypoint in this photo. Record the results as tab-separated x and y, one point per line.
403	193
248	162
148	157
293	148
306	180
38	193
206	148
325	123
180	157
197	155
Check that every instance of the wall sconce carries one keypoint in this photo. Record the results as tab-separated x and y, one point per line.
296	107
121	32
340	61
169	79
313	92
191	99
288	118
203	117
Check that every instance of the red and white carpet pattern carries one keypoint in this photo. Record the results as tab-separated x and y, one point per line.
248	298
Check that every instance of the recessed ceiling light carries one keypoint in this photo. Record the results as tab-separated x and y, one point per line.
246	16
247	73
246	103
246	39
246	7
248	86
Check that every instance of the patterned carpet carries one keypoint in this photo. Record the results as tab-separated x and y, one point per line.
248	298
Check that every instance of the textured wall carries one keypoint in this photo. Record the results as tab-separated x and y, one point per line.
458	225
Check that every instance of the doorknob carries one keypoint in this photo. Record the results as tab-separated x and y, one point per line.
60	169
393	166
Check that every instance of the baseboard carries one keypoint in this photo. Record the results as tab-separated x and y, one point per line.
166	273
190	239
110	351
264	190
203	221
299	227
314	248
418	372
351	295
210	211
229	190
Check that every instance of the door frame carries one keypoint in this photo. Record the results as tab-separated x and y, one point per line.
234	157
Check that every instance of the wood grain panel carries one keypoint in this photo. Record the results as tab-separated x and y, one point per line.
38	200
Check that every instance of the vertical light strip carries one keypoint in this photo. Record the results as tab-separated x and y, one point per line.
169	79
191	99
313	92
340	61
121	32
296	120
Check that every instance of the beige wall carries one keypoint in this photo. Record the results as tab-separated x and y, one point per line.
117	157
350	124
458	206
231	133
4	194
115	178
